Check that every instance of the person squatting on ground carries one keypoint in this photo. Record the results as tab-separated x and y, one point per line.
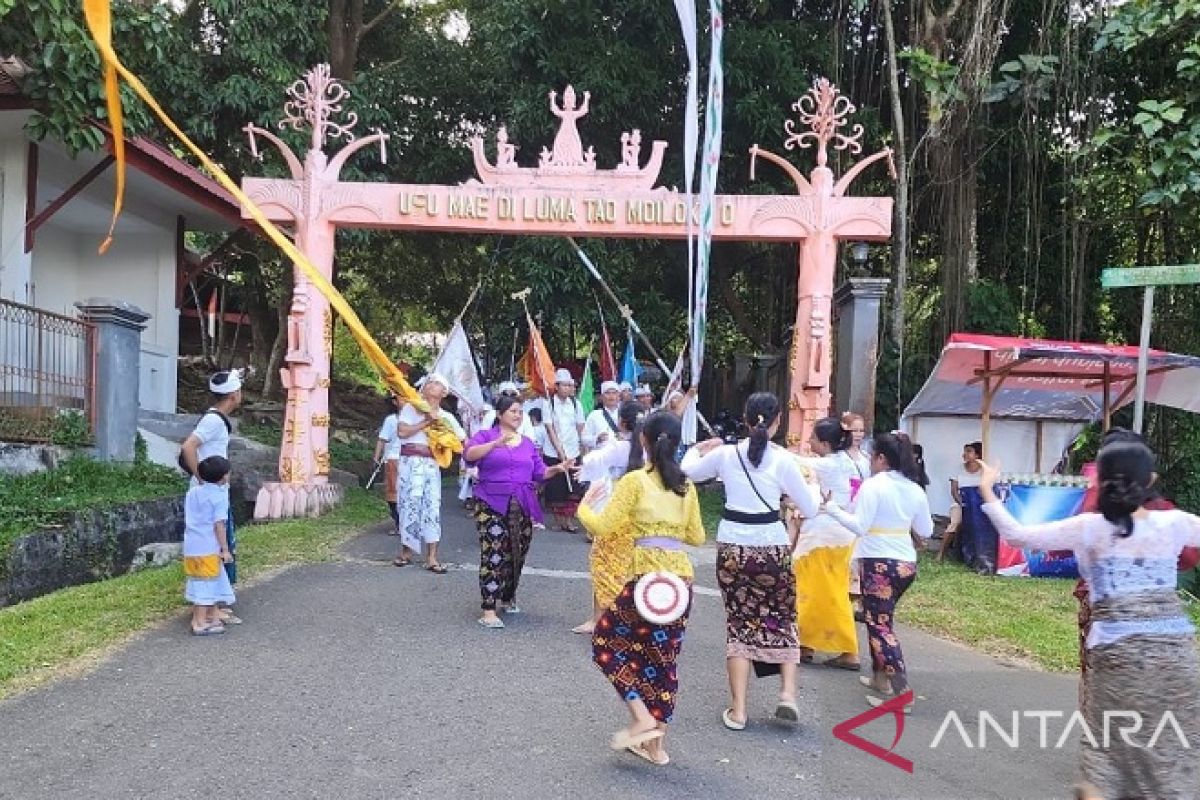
506	505
655	511
419	479
754	554
1141	649
205	546
387	454
211	438
889	506
609	560
821	556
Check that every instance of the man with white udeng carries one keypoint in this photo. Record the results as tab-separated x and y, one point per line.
601	425
419	478
564	421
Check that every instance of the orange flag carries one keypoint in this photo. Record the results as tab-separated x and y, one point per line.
538	367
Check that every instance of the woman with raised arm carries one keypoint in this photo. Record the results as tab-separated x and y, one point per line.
821	557
1141	650
754	554
655	510
506	505
888	507
610	559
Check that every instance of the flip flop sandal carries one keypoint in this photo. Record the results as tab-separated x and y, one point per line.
436	569
232	619
730	722
210	630
838	664
491	623
787	712
870	684
644	754
401	562
623	739
876	702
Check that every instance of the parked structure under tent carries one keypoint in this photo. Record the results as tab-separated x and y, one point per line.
1027	399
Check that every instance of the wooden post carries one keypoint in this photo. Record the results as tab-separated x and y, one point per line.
1139	403
1037	457
1107	409
986	417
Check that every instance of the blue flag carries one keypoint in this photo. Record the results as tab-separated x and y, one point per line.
629	365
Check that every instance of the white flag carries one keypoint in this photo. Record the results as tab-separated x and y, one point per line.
458	367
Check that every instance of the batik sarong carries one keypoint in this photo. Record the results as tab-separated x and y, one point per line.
419	502
503	544
884	582
759	591
1147	675
639	657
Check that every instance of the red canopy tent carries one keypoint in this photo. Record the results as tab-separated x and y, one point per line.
1056	386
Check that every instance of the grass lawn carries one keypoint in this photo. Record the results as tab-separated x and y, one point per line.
69	628
1030	619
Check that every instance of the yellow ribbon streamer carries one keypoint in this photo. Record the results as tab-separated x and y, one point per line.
442	441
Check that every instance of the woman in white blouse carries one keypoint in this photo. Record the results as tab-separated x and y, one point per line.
754	564
1141	649
821	559
889	505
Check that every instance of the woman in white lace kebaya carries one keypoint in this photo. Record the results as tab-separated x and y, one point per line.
1141	651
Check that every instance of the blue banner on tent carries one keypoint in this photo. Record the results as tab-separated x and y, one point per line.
1031	505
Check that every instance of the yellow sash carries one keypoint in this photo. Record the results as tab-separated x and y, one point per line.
887	532
203	567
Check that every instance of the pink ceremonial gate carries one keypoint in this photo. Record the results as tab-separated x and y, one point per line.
566	194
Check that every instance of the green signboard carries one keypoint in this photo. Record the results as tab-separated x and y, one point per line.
1117	277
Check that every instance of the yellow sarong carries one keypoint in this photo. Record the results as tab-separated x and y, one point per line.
823	611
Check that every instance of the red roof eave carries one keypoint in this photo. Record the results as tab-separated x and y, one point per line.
154	160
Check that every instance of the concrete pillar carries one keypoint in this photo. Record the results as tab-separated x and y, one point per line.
857	303
119	327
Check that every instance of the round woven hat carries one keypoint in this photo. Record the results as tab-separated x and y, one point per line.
661	597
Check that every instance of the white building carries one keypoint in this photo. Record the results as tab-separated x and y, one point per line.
54	212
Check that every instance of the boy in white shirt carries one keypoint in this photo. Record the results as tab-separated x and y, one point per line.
205	547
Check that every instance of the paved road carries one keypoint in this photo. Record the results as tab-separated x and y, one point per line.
358	680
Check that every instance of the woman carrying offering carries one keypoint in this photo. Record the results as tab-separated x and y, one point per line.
506	505
610	560
754	554
1141	655
821	558
889	505
655	511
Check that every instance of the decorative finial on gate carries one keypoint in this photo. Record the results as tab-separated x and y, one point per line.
315	98
823	109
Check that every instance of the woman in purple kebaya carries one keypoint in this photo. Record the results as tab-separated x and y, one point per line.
506	505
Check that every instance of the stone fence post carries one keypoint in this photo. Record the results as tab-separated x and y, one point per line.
119	327
858	303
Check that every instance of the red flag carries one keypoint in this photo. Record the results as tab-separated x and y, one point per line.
608	364
536	365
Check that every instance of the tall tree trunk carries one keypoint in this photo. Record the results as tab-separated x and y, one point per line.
952	168
900	217
278	347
